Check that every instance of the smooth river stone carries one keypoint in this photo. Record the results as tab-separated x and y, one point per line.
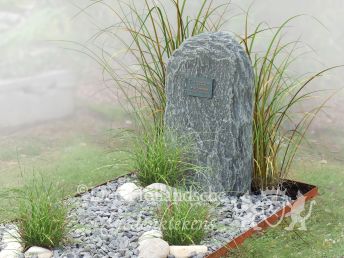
219	121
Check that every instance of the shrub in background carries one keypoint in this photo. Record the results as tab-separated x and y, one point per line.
42	215
184	222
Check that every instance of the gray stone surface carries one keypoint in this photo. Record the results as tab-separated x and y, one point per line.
221	125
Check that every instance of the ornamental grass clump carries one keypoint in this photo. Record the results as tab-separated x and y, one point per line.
279	127
42	215
155	30
161	157
184	222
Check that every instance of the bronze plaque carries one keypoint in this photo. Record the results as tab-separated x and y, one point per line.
200	87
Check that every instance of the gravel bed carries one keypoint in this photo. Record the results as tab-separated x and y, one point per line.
2	230
108	226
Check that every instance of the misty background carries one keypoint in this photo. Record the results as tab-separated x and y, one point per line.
52	97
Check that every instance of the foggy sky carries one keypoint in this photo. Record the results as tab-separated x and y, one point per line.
29	51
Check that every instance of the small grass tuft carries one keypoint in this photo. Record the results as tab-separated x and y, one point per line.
161	158
42	215
184	222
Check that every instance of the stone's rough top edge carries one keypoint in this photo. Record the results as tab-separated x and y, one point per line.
217	42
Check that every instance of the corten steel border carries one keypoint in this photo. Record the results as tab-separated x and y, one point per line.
233	244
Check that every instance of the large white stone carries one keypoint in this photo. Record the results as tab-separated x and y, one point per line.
129	192
10	236
153	248
9	254
16	246
150	234
158	191
13	247
187	251
38	252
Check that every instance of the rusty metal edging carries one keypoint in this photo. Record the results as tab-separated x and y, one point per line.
263	224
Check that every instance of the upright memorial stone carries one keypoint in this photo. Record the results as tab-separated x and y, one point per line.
210	98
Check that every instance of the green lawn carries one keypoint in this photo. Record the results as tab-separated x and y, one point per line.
325	234
76	165
78	152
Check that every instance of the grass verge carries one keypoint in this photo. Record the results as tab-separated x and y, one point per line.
78	165
324	236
